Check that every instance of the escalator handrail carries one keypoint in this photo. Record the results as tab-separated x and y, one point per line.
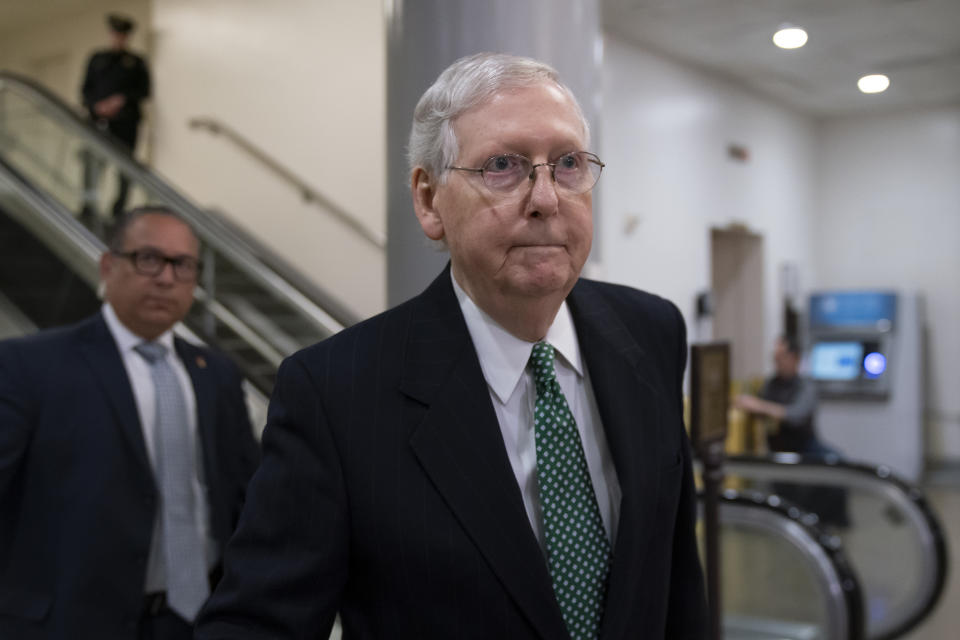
309	194
800	528
879	480
227	229
317	305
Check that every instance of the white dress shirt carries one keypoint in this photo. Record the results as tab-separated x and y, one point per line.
141	380
503	359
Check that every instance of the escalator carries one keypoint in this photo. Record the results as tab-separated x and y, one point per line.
889	534
250	303
34	278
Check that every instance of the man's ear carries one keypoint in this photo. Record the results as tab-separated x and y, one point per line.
106	264
424	190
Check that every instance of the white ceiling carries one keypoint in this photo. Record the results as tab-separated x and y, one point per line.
915	42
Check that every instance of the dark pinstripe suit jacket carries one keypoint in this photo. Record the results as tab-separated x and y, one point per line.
386	494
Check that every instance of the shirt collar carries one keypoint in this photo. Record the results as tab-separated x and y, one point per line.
503	357
128	340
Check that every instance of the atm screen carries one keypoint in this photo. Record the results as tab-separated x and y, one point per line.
836	360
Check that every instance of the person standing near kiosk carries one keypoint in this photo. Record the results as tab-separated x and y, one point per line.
791	400
788	398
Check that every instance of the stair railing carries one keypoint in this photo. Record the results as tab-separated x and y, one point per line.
309	194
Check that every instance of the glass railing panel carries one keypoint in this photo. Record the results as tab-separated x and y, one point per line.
781	577
37	149
752	560
65	162
889	554
889	533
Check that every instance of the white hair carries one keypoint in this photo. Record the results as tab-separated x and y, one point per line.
463	85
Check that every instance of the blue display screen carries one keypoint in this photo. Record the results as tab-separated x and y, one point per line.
836	360
872	309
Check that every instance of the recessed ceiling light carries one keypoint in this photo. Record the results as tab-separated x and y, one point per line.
876	83
790	37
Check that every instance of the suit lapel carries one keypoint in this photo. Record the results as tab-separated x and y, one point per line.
630	411
100	351
205	394
459	444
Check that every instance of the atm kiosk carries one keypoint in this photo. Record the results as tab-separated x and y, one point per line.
866	355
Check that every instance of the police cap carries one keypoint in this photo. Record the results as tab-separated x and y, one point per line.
119	23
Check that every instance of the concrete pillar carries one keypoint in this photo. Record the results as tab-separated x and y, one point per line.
423	38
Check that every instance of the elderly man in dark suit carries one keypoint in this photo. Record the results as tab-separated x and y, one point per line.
502	456
124	455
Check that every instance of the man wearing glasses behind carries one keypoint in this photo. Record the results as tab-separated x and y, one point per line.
124	455
502	456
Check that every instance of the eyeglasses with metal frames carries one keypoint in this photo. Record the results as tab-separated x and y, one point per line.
147	262
575	172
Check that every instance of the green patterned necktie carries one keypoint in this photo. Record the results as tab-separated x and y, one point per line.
578	551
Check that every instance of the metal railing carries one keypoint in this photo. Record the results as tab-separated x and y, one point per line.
891	503
752	523
308	193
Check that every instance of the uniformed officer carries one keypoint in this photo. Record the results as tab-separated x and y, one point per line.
116	82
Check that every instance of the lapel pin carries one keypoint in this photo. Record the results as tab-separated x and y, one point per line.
201	362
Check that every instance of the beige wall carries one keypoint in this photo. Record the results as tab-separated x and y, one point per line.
305	82
55	51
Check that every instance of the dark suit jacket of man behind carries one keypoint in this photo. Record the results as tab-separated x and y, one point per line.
400	497
78	499
76	513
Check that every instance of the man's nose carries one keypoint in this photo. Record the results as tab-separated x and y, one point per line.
543	194
166	274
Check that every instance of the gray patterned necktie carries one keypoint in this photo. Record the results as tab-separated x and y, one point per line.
183	548
578	551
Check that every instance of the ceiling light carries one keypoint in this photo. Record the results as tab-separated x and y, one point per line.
877	83
789	37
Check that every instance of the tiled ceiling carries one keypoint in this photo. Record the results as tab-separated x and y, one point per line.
914	42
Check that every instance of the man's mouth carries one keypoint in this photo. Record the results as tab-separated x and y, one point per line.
154	301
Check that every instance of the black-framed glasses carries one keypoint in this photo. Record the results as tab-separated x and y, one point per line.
148	262
574	172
